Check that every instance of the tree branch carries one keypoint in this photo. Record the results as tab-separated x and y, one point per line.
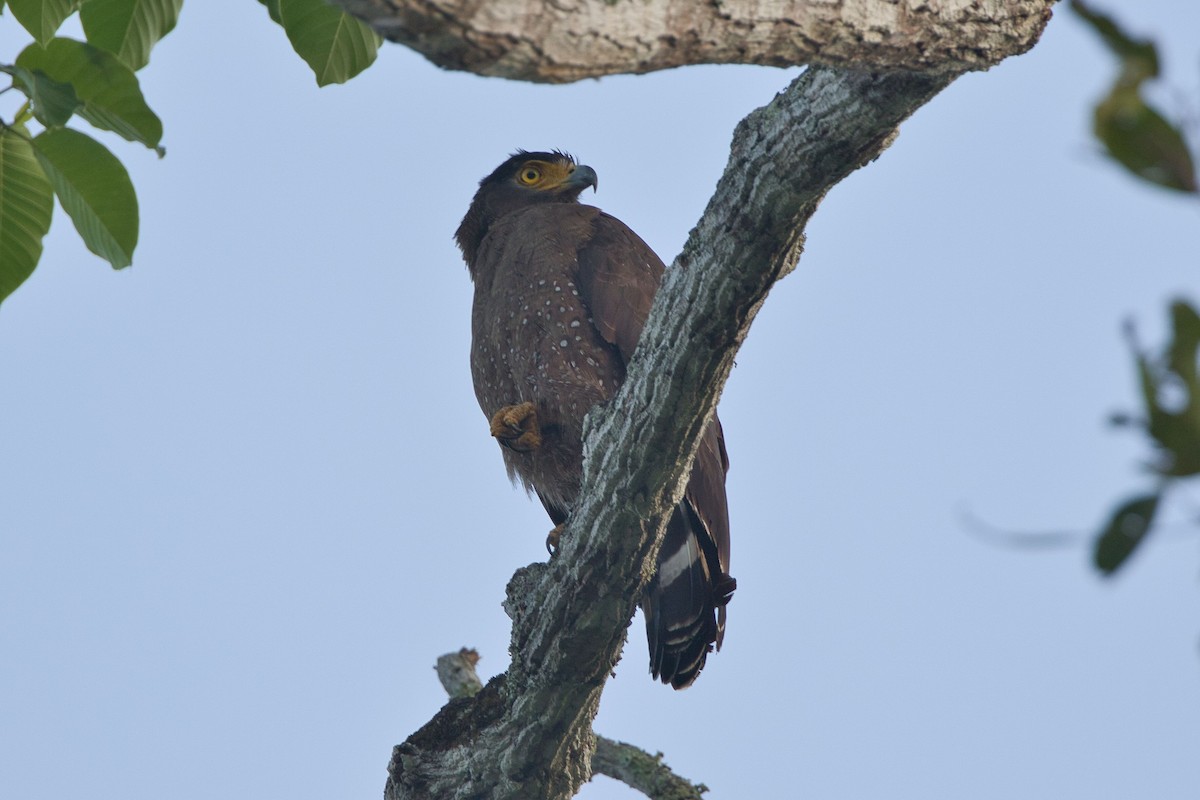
567	40
639	770
618	760
527	734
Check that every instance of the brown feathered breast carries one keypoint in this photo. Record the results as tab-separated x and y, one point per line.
562	291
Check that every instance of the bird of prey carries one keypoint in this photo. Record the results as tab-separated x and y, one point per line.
562	291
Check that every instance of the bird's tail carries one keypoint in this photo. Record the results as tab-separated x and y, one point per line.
684	603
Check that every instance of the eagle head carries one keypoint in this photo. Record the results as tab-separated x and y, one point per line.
523	180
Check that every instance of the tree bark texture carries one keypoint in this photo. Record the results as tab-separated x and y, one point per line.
620	761
639	770
527	734
567	40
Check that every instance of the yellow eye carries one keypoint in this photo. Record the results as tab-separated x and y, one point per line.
530	175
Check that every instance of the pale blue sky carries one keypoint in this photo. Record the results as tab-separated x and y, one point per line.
247	497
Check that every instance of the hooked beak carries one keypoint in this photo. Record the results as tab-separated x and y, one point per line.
582	177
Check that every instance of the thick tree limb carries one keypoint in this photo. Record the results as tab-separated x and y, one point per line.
618	760
527	734
567	40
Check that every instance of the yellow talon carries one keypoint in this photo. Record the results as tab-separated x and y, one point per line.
553	537
516	427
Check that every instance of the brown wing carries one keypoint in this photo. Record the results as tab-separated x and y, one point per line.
619	275
685	602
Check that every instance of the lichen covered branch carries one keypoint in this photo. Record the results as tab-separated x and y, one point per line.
642	771
570	40
618	760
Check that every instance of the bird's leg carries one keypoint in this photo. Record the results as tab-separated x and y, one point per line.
553	537
516	427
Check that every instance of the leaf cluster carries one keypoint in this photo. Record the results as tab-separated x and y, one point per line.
1133	132
1170	388
65	80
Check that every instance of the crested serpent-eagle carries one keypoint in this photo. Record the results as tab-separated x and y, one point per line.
562	291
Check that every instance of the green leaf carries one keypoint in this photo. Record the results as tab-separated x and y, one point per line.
1164	426
26	203
1180	436
1125	531
1181	355
42	17
52	102
272	10
129	28
335	45
1135	134
95	191
1139	57
108	89
1171	393
1143	141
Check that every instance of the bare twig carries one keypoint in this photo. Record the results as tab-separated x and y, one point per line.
639	770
